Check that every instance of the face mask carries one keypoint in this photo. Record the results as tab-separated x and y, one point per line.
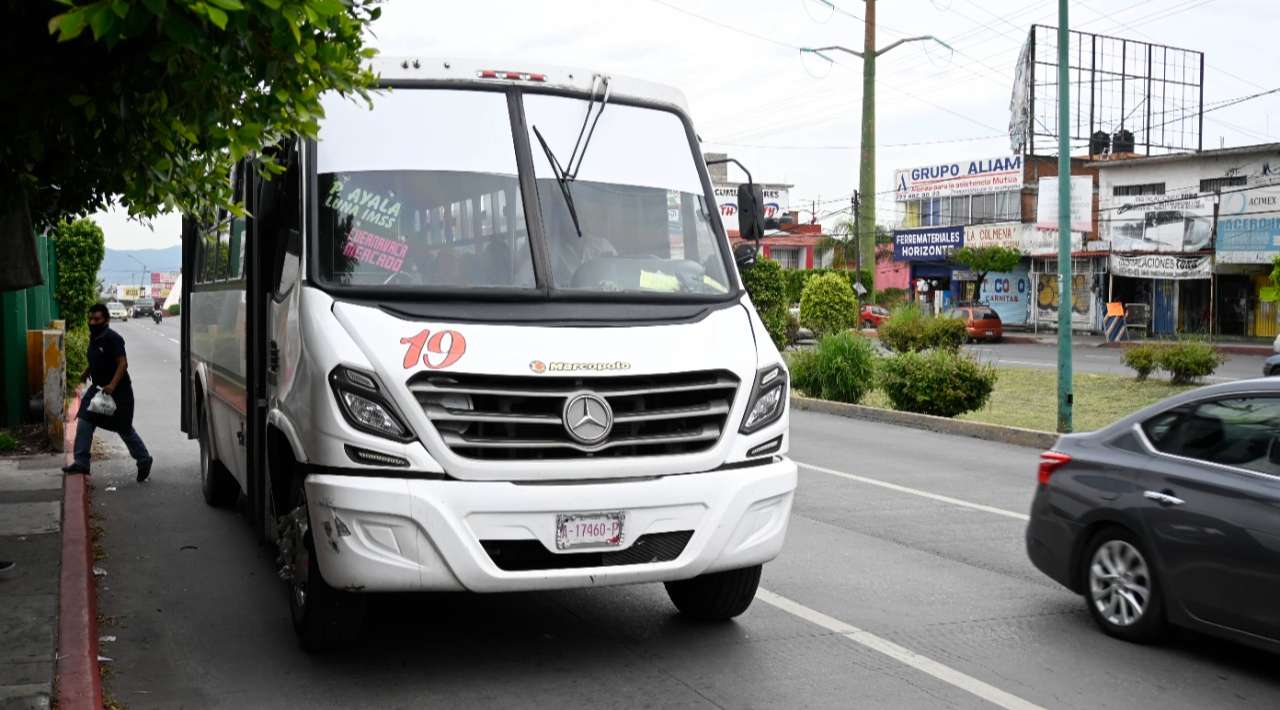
96	330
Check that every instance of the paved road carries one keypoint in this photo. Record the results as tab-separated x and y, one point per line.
885	597
1106	360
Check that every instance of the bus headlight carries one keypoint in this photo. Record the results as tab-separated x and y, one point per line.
768	399
364	406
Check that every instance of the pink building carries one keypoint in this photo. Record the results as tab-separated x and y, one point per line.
890	273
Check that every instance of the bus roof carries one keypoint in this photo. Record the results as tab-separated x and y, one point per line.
472	71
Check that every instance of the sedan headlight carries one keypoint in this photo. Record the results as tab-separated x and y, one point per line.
365	407
768	399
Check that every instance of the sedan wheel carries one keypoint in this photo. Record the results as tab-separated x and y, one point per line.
1121	591
1119	583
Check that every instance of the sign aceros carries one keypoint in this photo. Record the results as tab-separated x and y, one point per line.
1248	228
928	244
1161	266
966	177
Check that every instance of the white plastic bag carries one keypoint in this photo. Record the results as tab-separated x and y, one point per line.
102	403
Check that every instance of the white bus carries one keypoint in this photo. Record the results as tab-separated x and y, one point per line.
488	335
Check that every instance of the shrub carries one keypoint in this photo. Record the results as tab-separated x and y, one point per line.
793	328
7	442
797	279
79	247
1143	359
175	309
903	330
1187	362
76	344
828	305
943	333
944	383
841	368
891	297
765	284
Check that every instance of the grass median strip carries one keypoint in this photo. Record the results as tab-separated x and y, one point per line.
1027	397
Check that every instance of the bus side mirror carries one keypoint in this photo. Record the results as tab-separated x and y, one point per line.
744	255
750	212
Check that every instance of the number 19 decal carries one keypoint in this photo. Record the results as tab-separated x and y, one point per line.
443	349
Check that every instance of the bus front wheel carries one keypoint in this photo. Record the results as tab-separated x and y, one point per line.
324	618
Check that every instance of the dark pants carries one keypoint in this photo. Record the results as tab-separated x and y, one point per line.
84	442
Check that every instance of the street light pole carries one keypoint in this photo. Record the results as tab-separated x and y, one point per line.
867	164
145	274
1064	225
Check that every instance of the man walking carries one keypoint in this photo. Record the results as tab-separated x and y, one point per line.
109	370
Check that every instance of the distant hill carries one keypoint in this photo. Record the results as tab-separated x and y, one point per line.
117	267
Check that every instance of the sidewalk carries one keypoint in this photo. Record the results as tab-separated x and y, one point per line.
30	535
1234	347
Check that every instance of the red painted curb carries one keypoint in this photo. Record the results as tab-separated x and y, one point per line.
78	683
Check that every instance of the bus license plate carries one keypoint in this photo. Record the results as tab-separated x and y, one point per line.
589	530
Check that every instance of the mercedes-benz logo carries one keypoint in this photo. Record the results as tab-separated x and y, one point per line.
588	418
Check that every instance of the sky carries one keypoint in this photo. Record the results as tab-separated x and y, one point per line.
794	118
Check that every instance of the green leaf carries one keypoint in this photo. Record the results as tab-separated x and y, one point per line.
121	8
155	6
273	4
216	16
227	4
102	21
163	165
327	7
70	25
78	99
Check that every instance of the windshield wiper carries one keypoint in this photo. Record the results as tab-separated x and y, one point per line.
561	179
604	101
565	176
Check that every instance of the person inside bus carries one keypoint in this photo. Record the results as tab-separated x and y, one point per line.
109	370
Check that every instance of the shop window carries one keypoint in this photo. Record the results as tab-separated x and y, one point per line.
787	257
911	215
1149	188
983	209
1007	207
1216	184
960	210
931	212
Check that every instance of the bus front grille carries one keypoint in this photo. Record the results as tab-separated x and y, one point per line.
523	418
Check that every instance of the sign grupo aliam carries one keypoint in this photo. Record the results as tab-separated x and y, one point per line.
960	178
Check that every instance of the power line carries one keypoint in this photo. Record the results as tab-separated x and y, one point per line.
725	26
854	147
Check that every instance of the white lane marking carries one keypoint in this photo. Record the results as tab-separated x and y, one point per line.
916	492
173	341
906	656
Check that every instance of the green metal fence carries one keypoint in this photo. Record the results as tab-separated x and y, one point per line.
21	311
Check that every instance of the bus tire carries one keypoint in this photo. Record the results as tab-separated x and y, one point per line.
718	596
216	482
324	618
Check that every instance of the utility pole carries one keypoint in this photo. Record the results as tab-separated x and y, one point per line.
1064	225
867	162
857	233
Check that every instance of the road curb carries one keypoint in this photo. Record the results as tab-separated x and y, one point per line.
1228	348
77	683
1016	436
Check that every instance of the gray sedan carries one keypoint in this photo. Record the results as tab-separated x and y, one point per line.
1170	516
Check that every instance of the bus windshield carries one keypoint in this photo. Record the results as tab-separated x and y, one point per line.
423	191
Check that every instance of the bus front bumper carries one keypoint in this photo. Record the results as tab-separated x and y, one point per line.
398	534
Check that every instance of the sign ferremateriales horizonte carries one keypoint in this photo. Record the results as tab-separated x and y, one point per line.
928	244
